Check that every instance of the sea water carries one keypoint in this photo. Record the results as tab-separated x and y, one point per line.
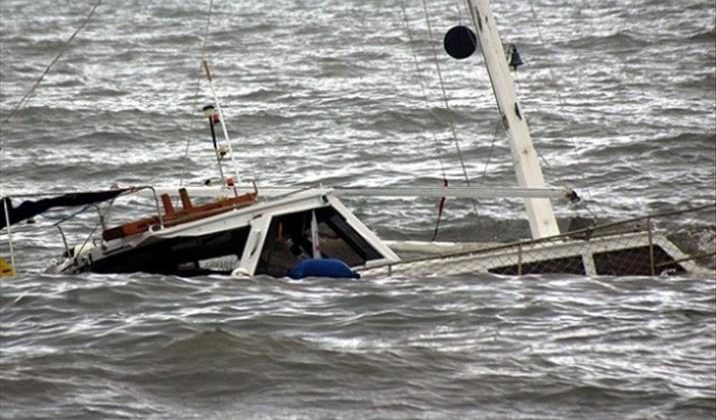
620	100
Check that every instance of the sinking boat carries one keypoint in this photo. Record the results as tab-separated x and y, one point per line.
310	232
251	235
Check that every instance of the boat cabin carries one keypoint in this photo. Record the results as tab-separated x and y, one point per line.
241	235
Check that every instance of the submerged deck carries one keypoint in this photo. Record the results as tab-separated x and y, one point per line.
642	246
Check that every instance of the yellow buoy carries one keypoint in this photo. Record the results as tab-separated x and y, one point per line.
6	269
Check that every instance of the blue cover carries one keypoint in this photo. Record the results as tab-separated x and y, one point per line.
322	268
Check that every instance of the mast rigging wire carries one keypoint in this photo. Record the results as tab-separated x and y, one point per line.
24	101
560	101
498	124
444	96
34	86
581	203
446	102
422	83
195	102
65	47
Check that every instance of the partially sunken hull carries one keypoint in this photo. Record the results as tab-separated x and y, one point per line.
272	237
267	237
630	248
177	256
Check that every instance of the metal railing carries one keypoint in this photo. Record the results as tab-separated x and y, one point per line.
648	245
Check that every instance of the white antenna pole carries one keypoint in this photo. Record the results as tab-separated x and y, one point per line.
315	239
221	119
527	167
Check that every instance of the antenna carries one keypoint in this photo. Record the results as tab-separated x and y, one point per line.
214	117
223	127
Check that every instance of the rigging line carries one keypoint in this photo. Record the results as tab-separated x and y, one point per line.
498	124
444	92
562	108
553	79
582	174
47	70
72	215
541	40
441	203
445	98
459	11
28	227
422	84
32	89
539	153
195	102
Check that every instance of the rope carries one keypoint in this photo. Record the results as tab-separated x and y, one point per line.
460	12
560	101
47	70
441	204
539	153
444	94
498	124
445	100
24	101
195	102
541	40
72	215
32	89
422	83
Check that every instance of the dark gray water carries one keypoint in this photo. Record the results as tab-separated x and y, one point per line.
621	101
462	347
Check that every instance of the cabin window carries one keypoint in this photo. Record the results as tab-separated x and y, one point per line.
635	262
288	241
567	265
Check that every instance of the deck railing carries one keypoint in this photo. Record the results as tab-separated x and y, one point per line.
669	242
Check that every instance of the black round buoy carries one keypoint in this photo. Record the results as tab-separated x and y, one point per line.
460	42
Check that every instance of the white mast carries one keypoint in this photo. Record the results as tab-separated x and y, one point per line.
526	162
210	78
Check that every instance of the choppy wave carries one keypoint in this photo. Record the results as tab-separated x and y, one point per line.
399	347
620	99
